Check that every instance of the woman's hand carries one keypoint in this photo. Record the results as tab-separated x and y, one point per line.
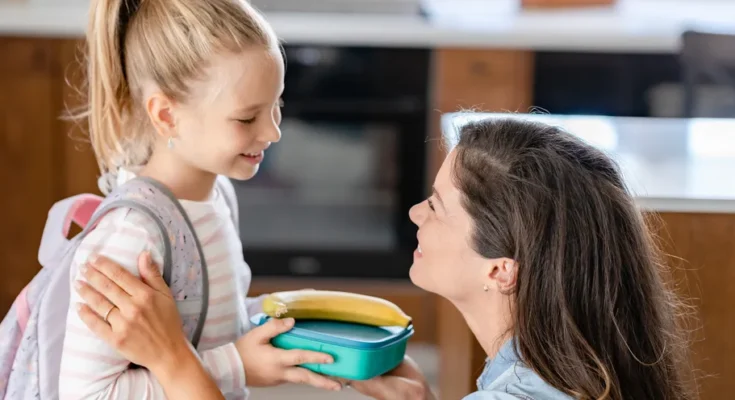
266	365
406	382
142	321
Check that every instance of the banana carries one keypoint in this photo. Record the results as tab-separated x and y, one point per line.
335	306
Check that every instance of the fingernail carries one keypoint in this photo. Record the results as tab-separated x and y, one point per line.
78	306
288	322
77	284
93	258
328	360
83	269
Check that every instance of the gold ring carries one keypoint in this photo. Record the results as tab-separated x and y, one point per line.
109	311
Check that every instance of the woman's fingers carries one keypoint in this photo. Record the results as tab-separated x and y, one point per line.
94	299
120	276
306	377
391	388
298	357
373	388
105	286
150	273
94	322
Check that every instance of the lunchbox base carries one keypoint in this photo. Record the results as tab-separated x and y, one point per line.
349	363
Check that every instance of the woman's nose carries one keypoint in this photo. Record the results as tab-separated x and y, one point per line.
417	213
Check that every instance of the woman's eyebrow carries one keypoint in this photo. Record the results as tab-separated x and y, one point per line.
438	197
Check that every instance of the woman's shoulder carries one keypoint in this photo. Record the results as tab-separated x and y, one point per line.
517	382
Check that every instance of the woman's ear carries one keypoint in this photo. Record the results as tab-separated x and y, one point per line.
503	274
160	111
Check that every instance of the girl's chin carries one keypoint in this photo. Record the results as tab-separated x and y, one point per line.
243	172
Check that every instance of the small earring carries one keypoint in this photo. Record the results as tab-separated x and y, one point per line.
485	288
170	142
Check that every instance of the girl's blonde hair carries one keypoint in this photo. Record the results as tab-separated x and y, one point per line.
165	42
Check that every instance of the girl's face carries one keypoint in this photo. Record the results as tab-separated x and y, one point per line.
232	115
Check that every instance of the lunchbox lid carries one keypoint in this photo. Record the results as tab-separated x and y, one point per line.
345	334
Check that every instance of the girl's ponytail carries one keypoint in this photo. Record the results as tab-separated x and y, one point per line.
108	91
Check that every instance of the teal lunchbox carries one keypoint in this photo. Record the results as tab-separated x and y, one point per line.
360	351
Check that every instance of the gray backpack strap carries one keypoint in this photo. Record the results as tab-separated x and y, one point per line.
185	268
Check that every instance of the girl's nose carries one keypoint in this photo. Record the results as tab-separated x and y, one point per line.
271	134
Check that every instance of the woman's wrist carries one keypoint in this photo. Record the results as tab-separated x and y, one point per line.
176	362
182	376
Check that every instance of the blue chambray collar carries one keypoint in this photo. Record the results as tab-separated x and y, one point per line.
495	367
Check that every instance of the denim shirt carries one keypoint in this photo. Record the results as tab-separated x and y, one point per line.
506	378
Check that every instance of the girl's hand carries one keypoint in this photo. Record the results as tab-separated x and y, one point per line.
142	322
266	365
406	382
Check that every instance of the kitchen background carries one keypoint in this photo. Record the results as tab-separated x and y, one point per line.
366	85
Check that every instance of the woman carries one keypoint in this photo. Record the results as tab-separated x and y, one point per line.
532	235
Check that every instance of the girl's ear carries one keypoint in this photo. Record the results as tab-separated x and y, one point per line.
160	111
502	274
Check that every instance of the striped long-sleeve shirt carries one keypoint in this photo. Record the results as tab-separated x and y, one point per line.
91	369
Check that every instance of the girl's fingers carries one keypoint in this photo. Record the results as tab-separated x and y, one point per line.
96	302
105	286
94	322
290	358
273	328
306	377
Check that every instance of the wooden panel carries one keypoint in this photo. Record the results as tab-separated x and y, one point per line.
703	259
28	89
412	300
481	80
488	80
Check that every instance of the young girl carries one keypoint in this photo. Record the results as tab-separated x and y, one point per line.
181	91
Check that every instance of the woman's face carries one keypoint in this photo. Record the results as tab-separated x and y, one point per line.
444	262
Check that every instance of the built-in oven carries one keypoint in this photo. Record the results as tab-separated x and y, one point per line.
331	199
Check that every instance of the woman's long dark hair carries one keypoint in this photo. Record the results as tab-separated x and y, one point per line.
593	316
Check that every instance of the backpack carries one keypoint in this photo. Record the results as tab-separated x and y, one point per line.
32	332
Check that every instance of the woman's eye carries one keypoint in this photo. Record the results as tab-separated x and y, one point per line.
246	121
431	204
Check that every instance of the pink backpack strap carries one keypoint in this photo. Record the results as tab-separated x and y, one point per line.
78	209
22	309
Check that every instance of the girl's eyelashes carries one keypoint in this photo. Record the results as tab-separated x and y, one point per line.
251	120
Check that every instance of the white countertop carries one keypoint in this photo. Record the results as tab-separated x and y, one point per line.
634	26
669	165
